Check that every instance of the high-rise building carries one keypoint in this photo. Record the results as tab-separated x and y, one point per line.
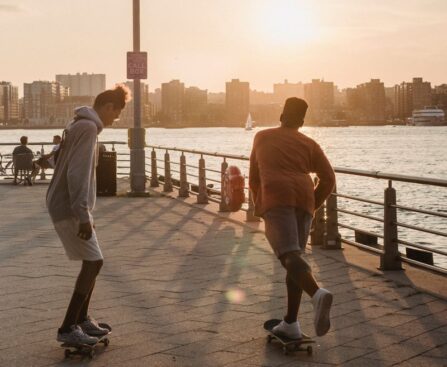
9	102
319	95
40	102
367	102
439	97
282	91
196	100
172	102
126	118
83	84
155	102
412	96
237	101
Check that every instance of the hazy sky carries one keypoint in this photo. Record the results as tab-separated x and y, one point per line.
207	42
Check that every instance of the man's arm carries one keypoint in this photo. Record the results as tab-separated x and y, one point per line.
254	180
79	173
325	174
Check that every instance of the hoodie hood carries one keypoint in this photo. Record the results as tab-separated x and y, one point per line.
89	113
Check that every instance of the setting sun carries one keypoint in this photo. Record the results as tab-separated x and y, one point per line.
287	22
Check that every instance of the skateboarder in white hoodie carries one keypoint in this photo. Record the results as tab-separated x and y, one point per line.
70	200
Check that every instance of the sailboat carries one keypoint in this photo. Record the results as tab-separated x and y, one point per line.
249	123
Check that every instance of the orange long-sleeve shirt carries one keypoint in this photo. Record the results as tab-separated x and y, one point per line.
280	165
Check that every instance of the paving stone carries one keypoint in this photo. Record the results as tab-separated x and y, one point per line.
183	287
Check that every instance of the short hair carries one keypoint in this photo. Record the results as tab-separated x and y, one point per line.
57	136
24	140
294	112
118	96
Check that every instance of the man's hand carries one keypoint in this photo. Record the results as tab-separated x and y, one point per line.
85	231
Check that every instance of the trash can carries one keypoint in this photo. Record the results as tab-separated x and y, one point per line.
106	174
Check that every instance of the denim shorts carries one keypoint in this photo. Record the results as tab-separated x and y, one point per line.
287	229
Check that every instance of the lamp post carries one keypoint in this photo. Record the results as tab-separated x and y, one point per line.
137	70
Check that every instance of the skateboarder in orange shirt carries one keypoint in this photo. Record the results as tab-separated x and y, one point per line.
285	197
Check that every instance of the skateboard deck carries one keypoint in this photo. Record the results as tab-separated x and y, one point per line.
87	349
288	345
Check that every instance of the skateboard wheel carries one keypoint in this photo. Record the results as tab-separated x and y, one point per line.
285	350
91	354
309	350
106	342
67	353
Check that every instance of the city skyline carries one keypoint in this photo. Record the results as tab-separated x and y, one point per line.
260	41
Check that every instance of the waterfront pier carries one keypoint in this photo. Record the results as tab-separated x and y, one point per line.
186	285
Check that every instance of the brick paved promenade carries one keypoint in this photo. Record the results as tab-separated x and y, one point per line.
183	287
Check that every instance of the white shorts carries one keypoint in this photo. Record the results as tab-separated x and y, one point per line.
76	248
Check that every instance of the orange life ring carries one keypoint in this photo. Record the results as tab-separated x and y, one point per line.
234	184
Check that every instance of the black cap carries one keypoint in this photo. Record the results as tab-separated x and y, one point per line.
293	113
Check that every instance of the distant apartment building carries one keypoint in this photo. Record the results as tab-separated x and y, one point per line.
172	102
9	103
83	84
40	102
237	101
367	102
216	98
282	91
320	97
261	98
126	118
196	101
411	96
439	97
155	103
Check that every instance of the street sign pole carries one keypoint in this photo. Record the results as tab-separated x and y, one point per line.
137	133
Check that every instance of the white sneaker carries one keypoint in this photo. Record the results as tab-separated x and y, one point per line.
76	336
91	327
291	331
322	302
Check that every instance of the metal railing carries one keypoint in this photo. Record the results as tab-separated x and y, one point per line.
383	220
327	225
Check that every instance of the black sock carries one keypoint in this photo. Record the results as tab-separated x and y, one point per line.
74	307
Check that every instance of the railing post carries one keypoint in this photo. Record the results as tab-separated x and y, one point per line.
390	259
154	174
223	207
317	231
167	186
183	191
250	216
332	240
113	147
42	173
202	198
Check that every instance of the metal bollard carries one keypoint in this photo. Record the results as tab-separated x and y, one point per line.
202	198
317	230
184	187
154	174
42	173
250	216
332	239
223	207
167	186
390	259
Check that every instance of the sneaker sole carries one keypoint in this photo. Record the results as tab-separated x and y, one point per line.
322	319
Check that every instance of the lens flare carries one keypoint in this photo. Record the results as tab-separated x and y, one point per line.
235	295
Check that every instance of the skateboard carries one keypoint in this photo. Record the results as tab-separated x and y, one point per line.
288	345
87	349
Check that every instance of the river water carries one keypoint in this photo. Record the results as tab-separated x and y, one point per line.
405	150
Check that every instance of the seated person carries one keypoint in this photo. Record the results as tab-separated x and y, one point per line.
21	149
47	160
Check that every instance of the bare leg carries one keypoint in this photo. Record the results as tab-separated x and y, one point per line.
84	285
299	272
294	294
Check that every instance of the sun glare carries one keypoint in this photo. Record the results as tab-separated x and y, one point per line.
288	22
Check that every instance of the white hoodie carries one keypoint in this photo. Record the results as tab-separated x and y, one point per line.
72	190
